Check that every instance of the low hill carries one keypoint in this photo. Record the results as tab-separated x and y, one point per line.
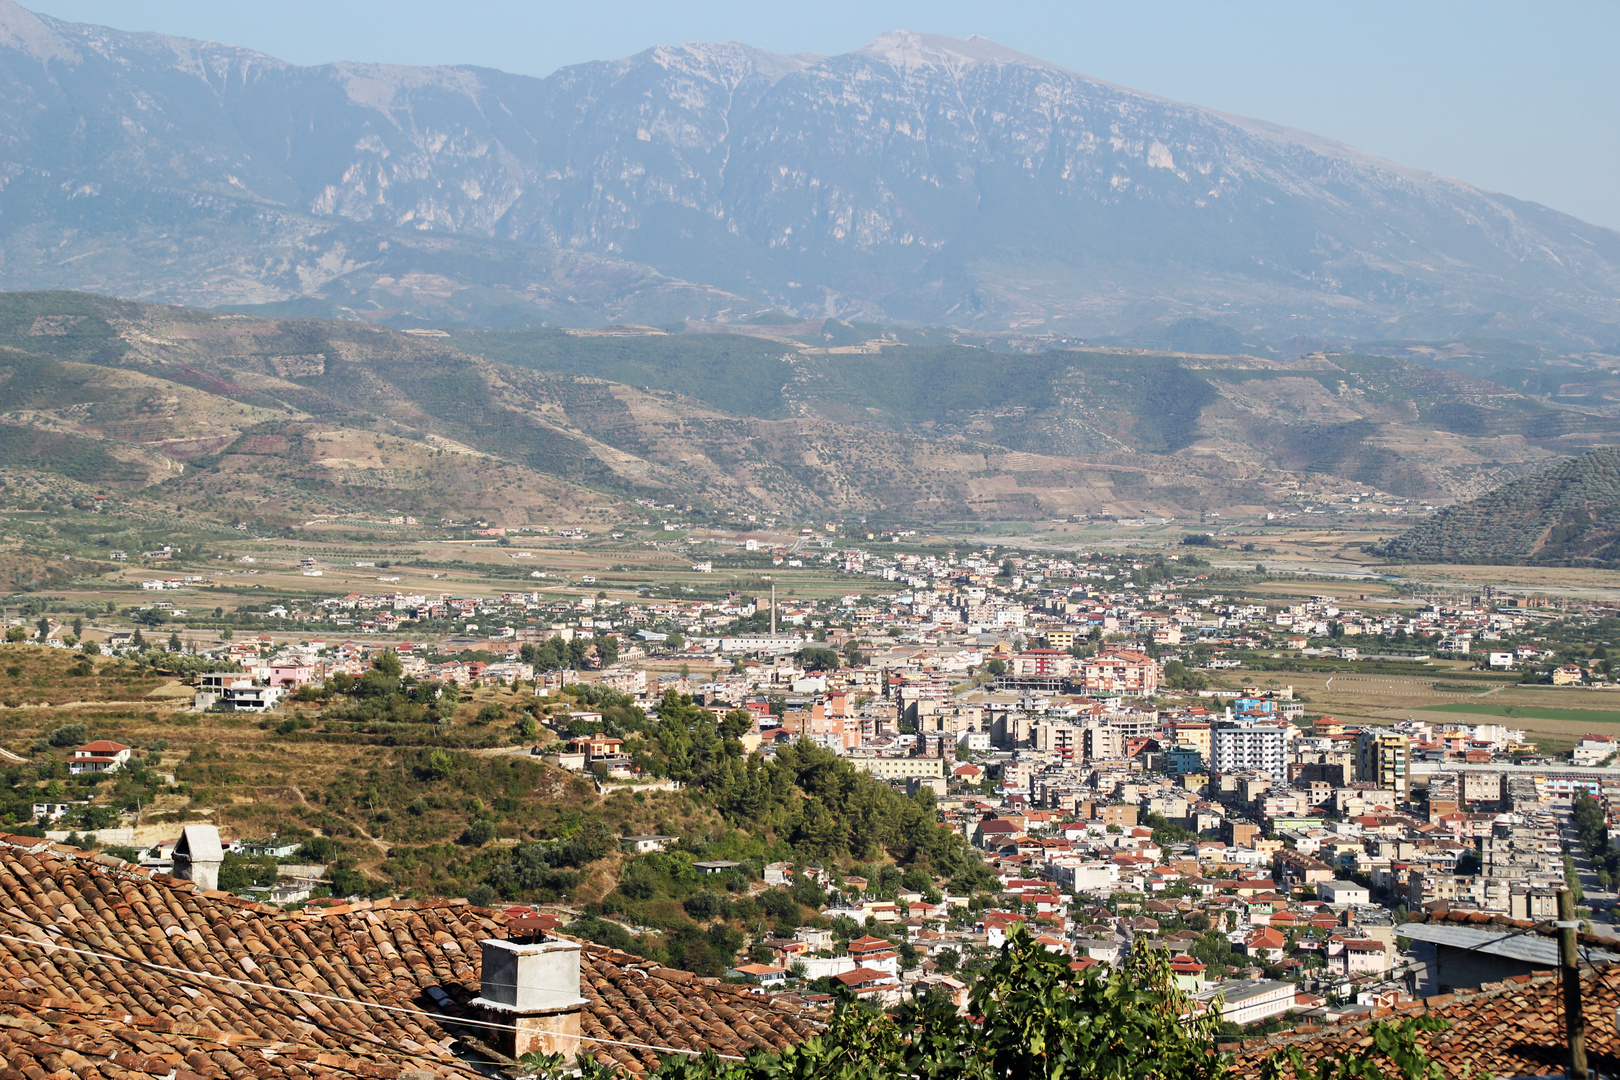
287	421
1566	516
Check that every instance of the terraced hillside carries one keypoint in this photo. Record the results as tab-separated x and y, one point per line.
1568	515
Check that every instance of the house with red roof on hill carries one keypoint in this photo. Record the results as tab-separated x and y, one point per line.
1249	887
992	833
870	982
101	756
762	974
1263	905
875	952
1283	921
995	926
1189	973
1265	944
1046	903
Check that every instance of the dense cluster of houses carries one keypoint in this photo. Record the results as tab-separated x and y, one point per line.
1269	894
1045	603
1266	854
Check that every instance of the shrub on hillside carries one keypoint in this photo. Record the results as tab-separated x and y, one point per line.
70	735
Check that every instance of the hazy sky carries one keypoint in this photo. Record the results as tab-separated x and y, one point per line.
1522	98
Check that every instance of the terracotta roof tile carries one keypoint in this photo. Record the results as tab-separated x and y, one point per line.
66	1013
1511	1028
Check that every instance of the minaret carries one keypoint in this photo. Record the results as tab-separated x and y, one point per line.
773	609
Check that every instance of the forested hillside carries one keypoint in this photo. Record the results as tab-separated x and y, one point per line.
1566	516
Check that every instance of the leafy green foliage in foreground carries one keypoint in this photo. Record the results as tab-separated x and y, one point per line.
1393	1044
1036	1017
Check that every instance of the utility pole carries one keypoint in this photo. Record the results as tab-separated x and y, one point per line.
1569	970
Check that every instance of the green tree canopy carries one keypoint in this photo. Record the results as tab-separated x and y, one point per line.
1031	1015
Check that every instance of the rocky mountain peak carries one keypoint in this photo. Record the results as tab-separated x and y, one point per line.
31	35
727	62
922	179
910	50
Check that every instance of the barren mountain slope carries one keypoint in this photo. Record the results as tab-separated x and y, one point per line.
296	419
919	180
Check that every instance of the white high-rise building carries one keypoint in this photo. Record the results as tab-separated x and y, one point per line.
1239	747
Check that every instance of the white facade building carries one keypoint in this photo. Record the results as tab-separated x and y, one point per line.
1241	747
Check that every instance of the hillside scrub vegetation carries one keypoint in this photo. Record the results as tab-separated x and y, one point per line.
411	787
497	425
826	808
1568	515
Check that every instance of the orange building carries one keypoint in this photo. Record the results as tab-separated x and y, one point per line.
1121	671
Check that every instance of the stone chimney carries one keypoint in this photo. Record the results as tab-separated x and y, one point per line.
533	986
197	856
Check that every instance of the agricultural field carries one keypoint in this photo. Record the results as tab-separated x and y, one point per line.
1304	560
68	556
1555	717
1379	699
1532	712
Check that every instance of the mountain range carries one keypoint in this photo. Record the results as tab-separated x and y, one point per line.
918	181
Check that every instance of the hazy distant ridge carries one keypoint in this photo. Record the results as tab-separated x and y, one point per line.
920	179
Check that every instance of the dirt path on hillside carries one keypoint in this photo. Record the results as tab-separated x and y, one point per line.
383	846
500	751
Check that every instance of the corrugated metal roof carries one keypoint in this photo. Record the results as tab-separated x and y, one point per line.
1531	948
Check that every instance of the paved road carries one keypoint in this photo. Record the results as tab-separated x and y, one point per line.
1600	900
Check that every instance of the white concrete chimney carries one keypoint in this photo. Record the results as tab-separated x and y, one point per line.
534	987
197	856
